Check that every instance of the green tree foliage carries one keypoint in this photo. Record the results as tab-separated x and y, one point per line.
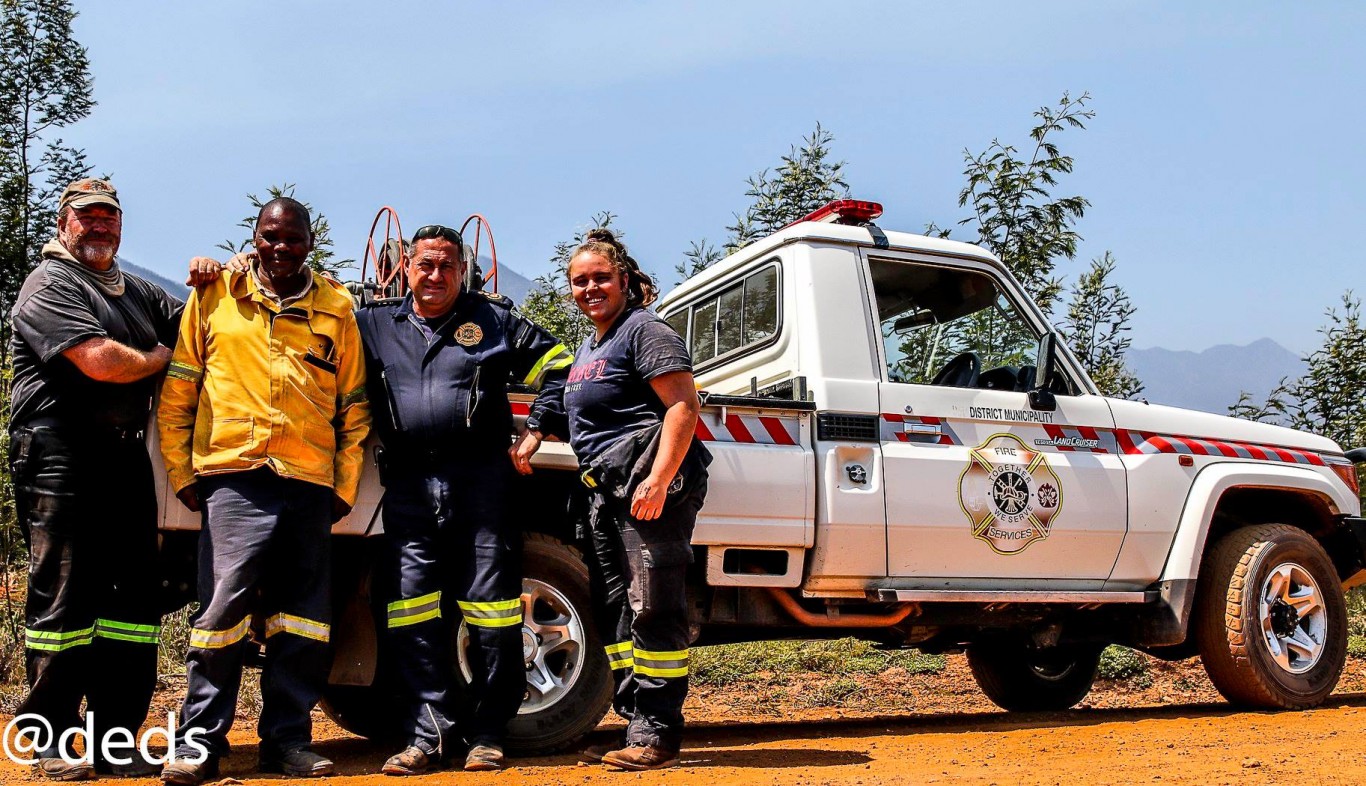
1014	213
1097	327
1017	217
45	85
806	179
549	303
323	258
1330	399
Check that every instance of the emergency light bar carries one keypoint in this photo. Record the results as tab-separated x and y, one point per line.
844	211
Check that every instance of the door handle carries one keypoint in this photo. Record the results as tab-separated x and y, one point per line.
923	432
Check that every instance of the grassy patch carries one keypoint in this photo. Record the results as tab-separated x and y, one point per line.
1356	611
1356	646
1125	665
778	662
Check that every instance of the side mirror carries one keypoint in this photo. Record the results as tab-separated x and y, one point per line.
1040	397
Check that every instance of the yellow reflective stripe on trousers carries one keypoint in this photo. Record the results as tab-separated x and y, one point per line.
218	639
127	631
411	611
619	655
299	626
493	613
56	641
673	663
557	358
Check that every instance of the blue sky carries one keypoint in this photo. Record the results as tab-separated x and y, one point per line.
1220	166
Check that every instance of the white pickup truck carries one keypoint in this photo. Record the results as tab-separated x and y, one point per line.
906	452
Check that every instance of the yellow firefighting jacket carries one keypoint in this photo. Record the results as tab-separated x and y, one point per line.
251	385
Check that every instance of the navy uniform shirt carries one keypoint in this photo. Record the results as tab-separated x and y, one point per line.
57	309
608	395
441	384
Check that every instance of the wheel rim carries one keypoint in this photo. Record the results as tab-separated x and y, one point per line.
553	646
1293	617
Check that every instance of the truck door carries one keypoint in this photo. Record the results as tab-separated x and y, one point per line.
982	490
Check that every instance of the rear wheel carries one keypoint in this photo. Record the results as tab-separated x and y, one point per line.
1272	624
1020	678
569	685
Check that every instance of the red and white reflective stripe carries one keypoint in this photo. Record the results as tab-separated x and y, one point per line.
755	429
520	408
1138	442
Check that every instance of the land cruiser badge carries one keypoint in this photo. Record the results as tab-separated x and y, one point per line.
1009	493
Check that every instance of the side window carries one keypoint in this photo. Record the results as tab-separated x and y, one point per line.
679	322
951	324
703	345
732	320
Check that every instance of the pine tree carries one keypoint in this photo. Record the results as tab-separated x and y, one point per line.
549	303
805	180
323	257
1330	399
1016	216
45	85
1096	328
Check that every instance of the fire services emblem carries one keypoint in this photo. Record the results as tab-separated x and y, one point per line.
1009	493
469	334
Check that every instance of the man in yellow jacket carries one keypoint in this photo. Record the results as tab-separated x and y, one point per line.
262	416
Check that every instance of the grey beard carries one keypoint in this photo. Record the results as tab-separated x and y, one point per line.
95	254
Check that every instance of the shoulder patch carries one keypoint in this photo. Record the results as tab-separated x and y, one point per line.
498	298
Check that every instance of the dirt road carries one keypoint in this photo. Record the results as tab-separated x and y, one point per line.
1171	731
1193	744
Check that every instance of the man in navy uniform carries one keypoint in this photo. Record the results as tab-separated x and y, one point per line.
439	363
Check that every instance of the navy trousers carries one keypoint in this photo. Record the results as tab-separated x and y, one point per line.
264	549
451	554
87	509
638	572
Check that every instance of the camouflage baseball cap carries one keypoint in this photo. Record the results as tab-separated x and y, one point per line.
90	191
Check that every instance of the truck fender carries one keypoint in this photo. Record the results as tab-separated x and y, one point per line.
1197	515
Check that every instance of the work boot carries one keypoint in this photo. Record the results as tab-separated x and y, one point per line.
300	762
484	756
183	772
641	757
55	768
412	760
593	753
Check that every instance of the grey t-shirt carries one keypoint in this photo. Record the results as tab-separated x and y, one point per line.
608	395
57	309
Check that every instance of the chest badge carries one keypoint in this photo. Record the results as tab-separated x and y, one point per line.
1009	493
469	334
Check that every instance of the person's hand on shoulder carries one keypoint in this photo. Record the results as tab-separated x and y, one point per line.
206	270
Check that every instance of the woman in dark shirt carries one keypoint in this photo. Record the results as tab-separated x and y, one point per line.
632	408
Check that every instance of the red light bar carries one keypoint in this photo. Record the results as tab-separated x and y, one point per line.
844	211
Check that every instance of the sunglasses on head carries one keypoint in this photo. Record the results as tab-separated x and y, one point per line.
433	231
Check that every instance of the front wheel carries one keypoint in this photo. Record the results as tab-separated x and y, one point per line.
1272	624
1020	678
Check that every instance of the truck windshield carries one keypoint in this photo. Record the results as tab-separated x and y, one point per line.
930	314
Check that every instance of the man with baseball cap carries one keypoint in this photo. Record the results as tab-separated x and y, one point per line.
89	342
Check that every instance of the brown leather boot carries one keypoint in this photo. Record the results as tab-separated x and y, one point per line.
593	753
412	760
641	757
